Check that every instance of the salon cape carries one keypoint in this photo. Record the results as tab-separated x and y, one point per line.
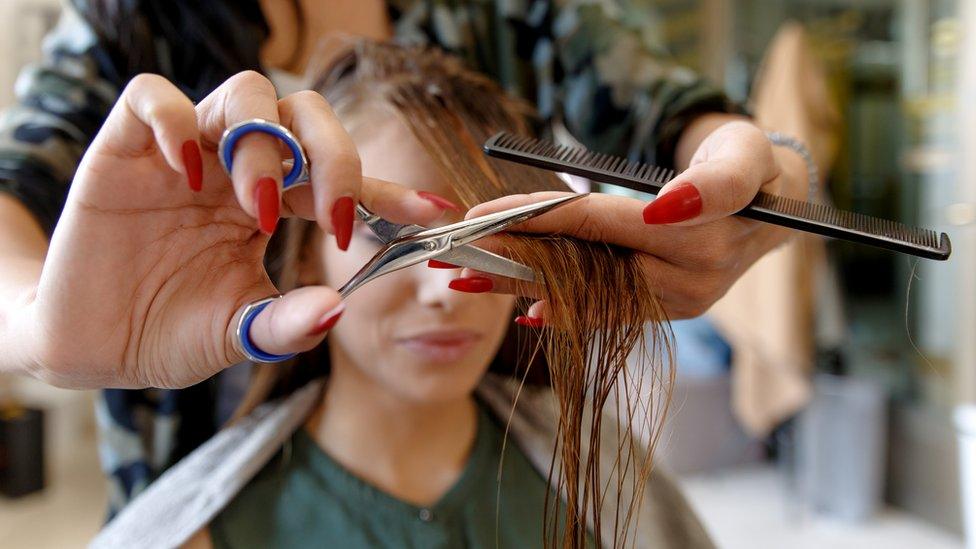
191	493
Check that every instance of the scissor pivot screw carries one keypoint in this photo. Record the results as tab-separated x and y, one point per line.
429	246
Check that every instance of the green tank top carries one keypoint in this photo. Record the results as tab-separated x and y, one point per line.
309	499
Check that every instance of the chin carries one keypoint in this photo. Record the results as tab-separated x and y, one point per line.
431	383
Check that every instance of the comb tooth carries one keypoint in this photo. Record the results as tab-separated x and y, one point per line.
537	147
654	174
632	167
589	160
664	175
624	167
642	172
574	155
628	168
519	143
649	172
503	140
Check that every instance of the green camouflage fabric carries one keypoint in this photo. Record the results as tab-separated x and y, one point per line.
595	67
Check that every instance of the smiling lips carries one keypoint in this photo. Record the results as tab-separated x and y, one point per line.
441	346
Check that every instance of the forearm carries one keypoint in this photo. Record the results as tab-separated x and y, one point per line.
22	250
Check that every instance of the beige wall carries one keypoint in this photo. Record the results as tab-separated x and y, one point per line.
22	25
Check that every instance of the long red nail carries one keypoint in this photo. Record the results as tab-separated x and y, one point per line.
472	284
342	216
194	165
439	201
328	320
684	202
530	321
266	196
435	264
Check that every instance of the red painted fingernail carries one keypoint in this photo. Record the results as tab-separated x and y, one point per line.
194	165
530	321
439	201
342	216
328	320
684	202
435	264
266	196
471	284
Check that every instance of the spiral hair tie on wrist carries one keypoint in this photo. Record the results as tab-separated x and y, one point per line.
244	339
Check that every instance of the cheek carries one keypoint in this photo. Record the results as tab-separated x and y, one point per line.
369	306
497	311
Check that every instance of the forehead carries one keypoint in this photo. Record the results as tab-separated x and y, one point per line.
388	150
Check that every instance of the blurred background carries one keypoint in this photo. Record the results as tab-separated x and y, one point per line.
837	410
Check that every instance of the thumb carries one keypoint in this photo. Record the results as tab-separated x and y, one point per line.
726	172
295	322
704	192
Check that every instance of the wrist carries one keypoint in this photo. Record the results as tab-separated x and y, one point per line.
795	177
797	165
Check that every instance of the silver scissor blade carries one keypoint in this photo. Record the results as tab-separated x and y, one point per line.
466	232
482	260
385	230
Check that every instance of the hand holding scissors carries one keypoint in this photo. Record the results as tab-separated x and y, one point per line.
144	278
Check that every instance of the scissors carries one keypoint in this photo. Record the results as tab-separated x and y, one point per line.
403	245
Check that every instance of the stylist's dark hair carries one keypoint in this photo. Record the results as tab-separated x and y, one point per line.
197	45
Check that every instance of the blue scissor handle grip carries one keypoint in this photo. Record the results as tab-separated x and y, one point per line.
299	171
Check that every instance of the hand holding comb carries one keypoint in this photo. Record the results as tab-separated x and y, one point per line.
786	212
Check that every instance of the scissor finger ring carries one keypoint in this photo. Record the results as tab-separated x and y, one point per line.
299	171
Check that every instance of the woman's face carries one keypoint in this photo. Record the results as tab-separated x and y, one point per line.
407	331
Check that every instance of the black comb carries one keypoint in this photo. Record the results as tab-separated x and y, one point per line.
778	210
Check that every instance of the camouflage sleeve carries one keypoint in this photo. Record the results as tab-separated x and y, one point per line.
619	92
61	103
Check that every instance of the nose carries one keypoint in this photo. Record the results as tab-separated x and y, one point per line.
432	287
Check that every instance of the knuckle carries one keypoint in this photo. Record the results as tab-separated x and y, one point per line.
309	97
250	80
162	112
143	81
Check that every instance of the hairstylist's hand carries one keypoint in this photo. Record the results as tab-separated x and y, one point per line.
145	278
691	247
